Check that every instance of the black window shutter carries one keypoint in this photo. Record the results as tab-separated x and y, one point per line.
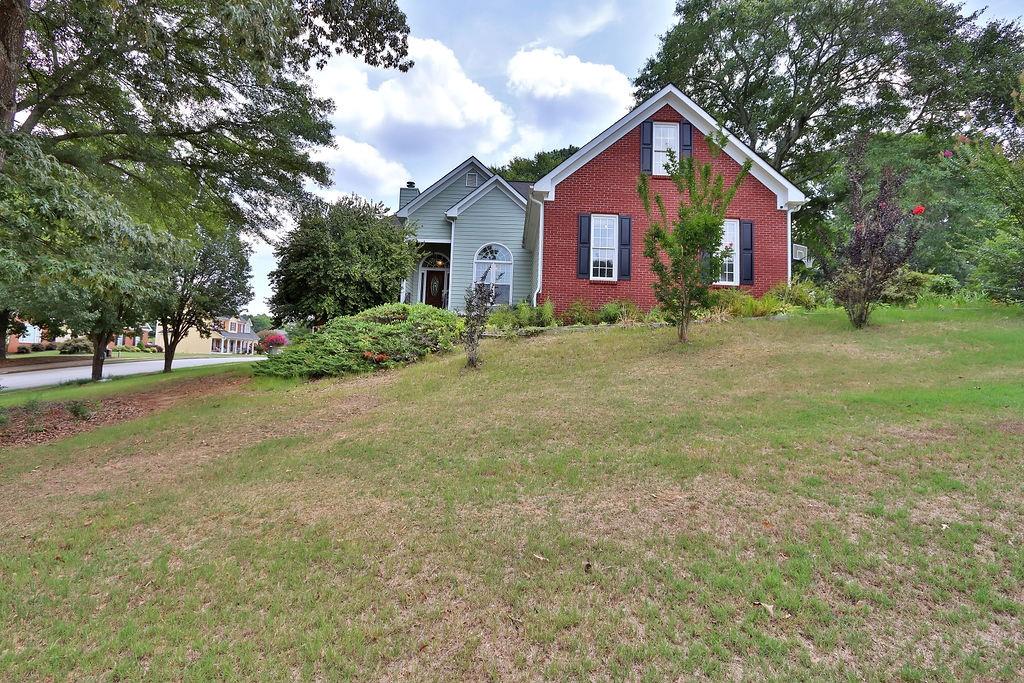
746	252
646	147
625	246
583	250
685	139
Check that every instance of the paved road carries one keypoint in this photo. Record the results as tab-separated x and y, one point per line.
42	378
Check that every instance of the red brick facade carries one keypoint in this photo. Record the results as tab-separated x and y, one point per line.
607	184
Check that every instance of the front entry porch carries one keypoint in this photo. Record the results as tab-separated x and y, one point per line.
431	280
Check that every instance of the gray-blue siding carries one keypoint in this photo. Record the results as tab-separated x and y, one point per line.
495	217
431	223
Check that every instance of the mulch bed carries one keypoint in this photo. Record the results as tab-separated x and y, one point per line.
51	421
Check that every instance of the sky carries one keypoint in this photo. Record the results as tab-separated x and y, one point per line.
492	79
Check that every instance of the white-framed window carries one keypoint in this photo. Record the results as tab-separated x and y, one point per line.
604	247
472	179
666	137
493	265
730	264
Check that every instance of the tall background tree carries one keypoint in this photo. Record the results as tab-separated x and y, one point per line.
212	279
797	80
180	107
340	259
528	169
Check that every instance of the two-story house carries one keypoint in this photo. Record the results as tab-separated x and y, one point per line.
578	232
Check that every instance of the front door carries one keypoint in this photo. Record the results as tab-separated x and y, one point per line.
434	294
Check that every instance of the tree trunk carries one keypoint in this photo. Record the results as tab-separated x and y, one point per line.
169	349
858	312
99	353
5	321
13	23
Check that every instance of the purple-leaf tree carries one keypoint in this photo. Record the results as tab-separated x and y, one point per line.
881	241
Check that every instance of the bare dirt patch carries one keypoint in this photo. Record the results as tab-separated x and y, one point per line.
1015	427
33	425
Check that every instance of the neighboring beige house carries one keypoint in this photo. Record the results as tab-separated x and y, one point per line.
228	335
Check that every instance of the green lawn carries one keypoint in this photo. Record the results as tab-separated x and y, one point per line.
780	499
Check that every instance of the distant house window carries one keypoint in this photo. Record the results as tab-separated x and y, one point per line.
493	265
666	137
472	180
231	327
731	241
604	242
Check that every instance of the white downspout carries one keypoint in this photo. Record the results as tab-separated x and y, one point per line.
539	256
789	246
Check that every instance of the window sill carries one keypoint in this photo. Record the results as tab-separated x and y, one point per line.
604	280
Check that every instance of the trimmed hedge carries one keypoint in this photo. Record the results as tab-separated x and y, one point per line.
381	337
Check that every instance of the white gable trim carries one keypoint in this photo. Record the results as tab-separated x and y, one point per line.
432	191
789	195
471	198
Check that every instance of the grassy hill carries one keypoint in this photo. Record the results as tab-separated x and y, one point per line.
779	499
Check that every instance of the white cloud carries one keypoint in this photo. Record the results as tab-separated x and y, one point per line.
548	73
408	111
360	167
587	20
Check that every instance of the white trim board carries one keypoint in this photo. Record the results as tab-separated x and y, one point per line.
431	191
789	195
472	198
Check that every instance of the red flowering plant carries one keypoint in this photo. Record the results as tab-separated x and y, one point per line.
274	340
881	242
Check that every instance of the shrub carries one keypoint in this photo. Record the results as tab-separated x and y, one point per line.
74	345
623	311
740	304
23	348
655	315
944	285
521	316
479	301
802	293
579	313
905	288
381	337
4	418
49	346
79	410
38	346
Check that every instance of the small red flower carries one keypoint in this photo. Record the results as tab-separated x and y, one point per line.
947	153
918	210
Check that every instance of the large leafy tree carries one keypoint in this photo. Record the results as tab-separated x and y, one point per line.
796	79
186	106
84	262
340	259
211	280
536	167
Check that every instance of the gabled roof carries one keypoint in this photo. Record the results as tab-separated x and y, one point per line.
789	195
471	199
522	187
472	163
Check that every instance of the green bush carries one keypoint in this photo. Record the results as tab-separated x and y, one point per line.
522	315
79	410
23	348
38	346
740	304
801	293
579	313
74	345
622	311
381	337
906	288
944	285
